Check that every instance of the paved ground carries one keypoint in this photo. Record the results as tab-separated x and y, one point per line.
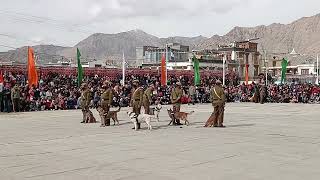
271	141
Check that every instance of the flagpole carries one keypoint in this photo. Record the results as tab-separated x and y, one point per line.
266	65
224	71
166	64
317	69
123	70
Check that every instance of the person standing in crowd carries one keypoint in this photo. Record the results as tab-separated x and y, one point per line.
7	99
192	93
15	98
147	98
1	96
85	100
106	100
218	103
176	96
262	91
137	98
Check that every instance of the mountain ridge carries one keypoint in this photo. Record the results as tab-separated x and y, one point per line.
302	34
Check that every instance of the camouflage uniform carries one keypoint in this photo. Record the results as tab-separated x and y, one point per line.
147	99
85	101
106	100
218	103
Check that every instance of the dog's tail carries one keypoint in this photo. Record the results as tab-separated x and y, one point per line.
119	109
190	113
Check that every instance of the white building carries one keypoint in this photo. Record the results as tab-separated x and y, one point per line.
306	69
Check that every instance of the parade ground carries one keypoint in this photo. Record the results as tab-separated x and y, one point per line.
261	142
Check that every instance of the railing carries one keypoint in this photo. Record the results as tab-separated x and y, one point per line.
111	73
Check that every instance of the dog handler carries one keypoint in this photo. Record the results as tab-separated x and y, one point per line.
106	100
218	103
137	98
176	96
147	98
85	100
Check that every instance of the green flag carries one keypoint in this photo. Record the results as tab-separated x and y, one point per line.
196	71
284	65
80	69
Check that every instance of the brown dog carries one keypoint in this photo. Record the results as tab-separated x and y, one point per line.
90	118
210	121
110	115
182	116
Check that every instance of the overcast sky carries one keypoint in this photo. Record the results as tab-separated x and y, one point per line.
66	22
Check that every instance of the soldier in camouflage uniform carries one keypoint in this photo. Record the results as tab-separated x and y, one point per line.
137	99
85	100
147	98
106	100
176	96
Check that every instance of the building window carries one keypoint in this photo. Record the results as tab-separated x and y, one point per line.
304	71
274	63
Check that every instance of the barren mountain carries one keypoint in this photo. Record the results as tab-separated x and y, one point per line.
303	35
44	54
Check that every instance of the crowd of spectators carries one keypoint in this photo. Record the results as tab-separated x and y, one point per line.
60	92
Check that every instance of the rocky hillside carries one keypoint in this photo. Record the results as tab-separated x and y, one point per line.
303	35
44	54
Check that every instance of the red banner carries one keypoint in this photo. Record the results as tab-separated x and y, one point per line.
163	71
247	74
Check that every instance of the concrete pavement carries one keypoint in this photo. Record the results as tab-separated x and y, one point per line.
261	142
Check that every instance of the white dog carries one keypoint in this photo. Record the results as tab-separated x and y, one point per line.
134	118
156	111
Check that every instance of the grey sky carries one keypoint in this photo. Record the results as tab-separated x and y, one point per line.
66	22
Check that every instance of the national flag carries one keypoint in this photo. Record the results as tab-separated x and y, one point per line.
163	71
196	64
172	55
80	69
32	71
284	65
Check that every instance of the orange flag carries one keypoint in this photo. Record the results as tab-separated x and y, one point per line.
163	71
247	74
32	71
